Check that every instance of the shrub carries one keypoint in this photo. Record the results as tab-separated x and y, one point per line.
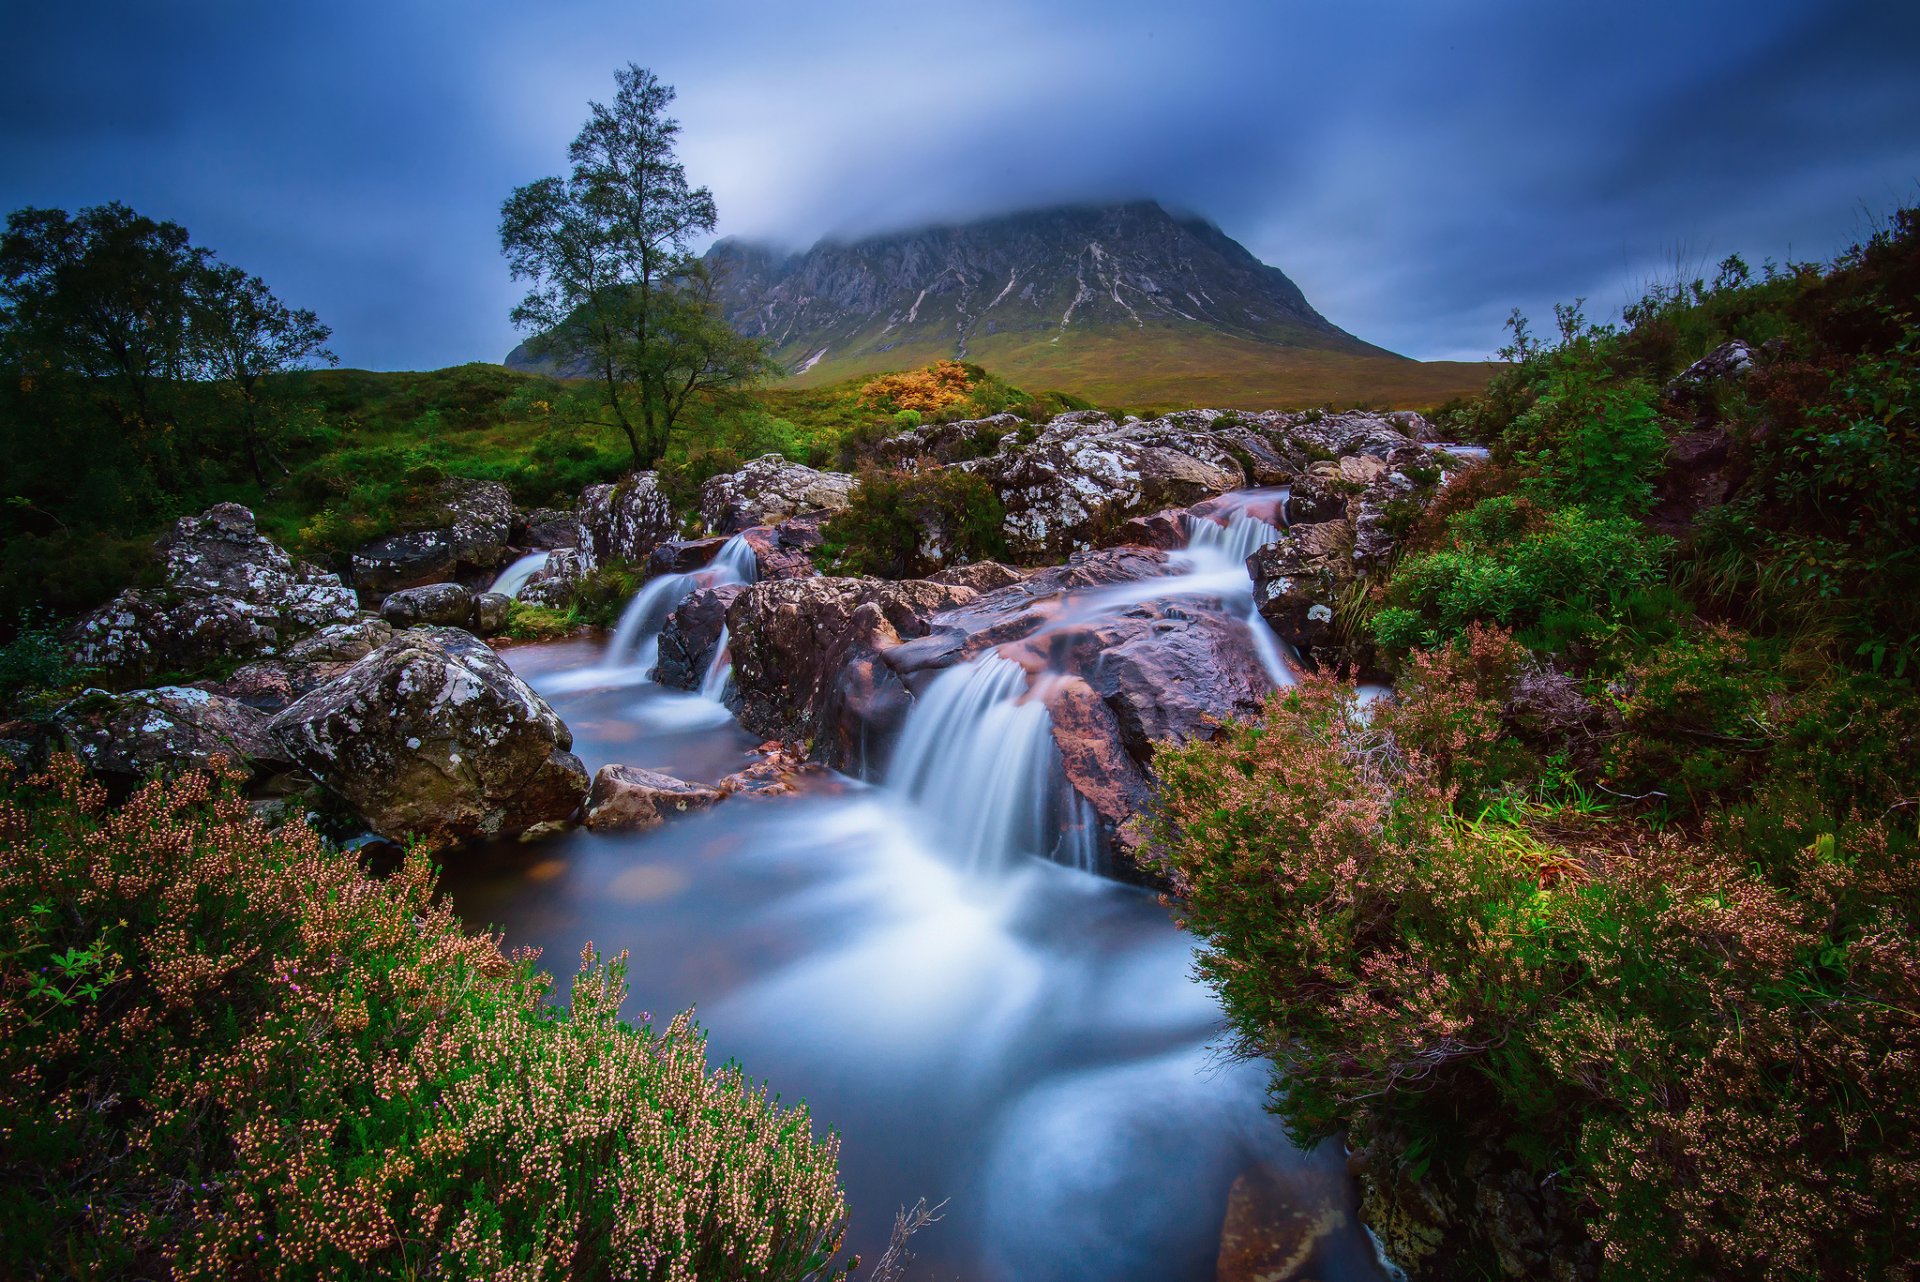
1511	563
903	525
35	670
1591	441
229	1053
935	387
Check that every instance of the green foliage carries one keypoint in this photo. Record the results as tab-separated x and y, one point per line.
35	672
1509	562
903	525
529	622
231	1053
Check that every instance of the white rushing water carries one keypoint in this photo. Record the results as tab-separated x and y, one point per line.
979	1022
515	576
719	670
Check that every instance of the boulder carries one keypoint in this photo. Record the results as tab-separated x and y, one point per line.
1166	530
269	684
624	522
627	797
1298	582
555	583
464	532
345	642
230	593
168	729
545	529
683	556
1732	359
692	634
785	551
955	442
805	654
445	605
1318	495
433	736
981	576
490	611
770	489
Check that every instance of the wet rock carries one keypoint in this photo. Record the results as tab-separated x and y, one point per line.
446	605
692	635
769	490
433	736
623	522
1298	582
465	532
168	729
684	556
785	551
629	798
778	773
981	576
229	593
490	611
804	655
1165	530
1275	1228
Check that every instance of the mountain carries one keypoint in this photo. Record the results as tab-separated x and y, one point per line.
1124	303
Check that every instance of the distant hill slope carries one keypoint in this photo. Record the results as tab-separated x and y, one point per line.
1122	303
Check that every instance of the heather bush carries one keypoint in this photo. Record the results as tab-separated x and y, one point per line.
903	525
230	1053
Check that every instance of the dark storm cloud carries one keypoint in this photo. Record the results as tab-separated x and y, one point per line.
1418	168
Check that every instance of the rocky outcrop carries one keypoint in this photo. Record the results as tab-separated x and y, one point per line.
464	532
1732	359
629	798
433	736
785	551
950	442
623	522
230	593
555	583
692	635
769	490
1298	583
806	656
981	576
165	730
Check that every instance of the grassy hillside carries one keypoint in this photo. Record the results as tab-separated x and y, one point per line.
1168	367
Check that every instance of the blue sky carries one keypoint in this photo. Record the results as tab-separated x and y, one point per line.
1419	168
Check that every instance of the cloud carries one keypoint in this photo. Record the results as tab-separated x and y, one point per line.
1419	169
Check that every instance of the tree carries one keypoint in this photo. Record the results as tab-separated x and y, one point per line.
615	288
240	335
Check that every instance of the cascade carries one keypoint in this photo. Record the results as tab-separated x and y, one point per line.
636	636
515	576
719	670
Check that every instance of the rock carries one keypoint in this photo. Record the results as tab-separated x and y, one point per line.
804	655
465	533
554	584
777	774
1084	476
624	522
1165	530
1702	471
683	556
955	442
785	551
1319	495
770	489
433	736
446	605
490	611
545	529
981	576
169	729
230	593
692	634
270	684
342	642
1275	1224
1732	359
627	797
1298	582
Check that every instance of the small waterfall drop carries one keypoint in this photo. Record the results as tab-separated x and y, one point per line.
636	636
515	576
977	757
719	670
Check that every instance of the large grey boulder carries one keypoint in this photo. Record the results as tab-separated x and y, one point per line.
433	736
167	729
768	490
624	522
230	593
466	531
446	605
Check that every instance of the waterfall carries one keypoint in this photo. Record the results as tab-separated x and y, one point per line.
1234	540
636	636
515	576
977	757
719	670
1218	550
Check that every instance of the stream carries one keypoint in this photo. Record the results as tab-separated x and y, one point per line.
1009	1032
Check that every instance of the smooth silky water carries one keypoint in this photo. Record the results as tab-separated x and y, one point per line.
982	1025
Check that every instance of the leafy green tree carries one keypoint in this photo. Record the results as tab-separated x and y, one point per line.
241	335
616	290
